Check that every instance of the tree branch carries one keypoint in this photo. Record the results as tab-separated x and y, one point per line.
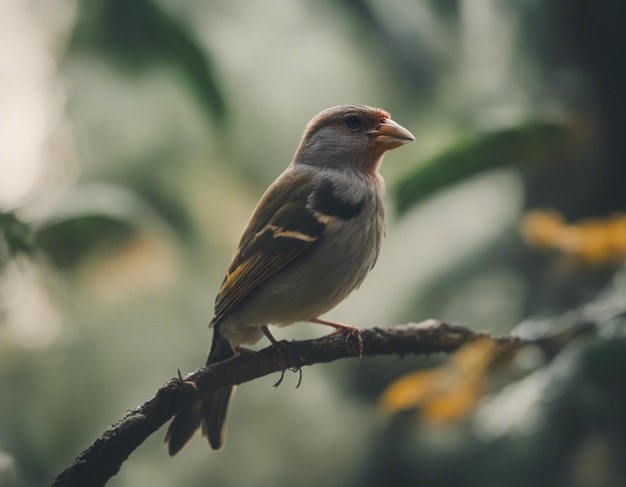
104	457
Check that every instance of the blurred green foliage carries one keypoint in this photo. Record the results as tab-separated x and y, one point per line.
68	242
179	114
532	142
139	35
16	235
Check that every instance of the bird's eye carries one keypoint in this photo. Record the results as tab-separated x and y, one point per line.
353	122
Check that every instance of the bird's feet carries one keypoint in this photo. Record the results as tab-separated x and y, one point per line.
290	350
347	330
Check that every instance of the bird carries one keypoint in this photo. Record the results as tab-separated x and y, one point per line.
311	240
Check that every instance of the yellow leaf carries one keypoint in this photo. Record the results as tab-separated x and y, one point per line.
446	393
592	241
410	390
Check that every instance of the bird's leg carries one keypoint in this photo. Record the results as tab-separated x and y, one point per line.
347	330
289	350
340	327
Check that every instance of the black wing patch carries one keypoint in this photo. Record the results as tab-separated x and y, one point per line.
327	203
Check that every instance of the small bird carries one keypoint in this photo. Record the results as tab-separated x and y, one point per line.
313	237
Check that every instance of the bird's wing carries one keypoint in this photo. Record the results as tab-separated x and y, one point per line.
280	229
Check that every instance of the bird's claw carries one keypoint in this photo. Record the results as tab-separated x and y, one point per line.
350	332
347	330
289	350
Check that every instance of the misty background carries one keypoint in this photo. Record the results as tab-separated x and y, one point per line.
135	140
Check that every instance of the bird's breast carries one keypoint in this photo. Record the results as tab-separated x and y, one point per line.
324	274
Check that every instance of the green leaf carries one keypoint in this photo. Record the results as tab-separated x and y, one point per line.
92	216
68	242
533	141
17	235
136	35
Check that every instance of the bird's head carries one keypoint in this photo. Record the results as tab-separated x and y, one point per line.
350	135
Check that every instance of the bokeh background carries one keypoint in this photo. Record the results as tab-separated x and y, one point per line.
135	139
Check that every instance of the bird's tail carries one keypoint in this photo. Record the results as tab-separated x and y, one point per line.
209	412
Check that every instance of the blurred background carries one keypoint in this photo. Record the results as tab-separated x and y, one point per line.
135	139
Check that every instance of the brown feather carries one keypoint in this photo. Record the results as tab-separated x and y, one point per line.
277	233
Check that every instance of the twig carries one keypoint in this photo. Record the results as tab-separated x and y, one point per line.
104	457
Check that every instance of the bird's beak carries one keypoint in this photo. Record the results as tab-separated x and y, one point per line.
391	134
